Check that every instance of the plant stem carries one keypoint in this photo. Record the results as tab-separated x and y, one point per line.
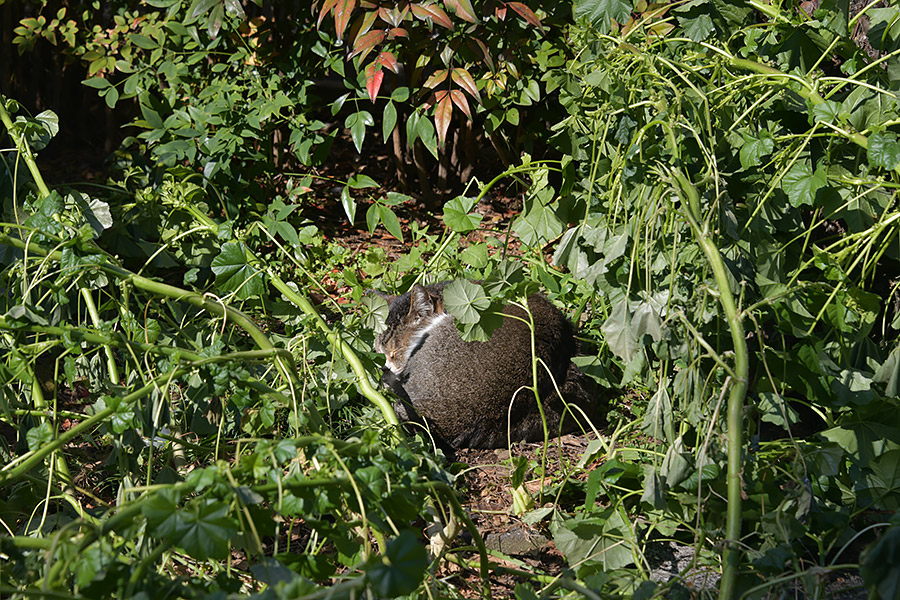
38	455
732	554
24	150
362	377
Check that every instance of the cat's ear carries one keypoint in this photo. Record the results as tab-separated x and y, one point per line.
423	304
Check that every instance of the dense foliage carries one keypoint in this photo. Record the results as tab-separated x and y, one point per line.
717	207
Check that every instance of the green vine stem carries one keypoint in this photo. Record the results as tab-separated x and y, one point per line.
38	455
366	386
283	360
732	553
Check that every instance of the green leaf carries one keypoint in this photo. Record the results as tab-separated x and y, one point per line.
388	120
828	112
360	181
402	569
234	273
884	150
457	216
390	221
538	225
426	133
801	184
98	83
475	255
600	13
618	333
39	436
142	41
754	149
604	539
372	217
465	300
658	421
349	205
204	530
698	27
880	568
775	410
357	123
881	485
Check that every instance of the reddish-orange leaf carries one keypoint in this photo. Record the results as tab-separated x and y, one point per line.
459	99
526	13
342	13
463	9
436	79
326	8
391	16
432	13
365	43
374	76
442	113
388	60
462	78
397	32
500	11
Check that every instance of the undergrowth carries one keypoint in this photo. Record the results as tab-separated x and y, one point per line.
179	419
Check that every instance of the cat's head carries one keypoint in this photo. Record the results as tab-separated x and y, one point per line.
411	317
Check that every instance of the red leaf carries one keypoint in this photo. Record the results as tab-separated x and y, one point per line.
326	8
500	11
374	76
436	79
526	13
397	32
442	113
432	13
389	60
459	99
391	16
465	81
342	13
463	9
366	42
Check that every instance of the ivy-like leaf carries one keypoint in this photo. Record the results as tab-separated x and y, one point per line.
884	150
234	273
402	569
39	436
601	13
754	149
618	333
204	530
801	184
457	216
465	300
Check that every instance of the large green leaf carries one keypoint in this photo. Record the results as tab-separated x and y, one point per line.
402	568
465	300
234	273
601	13
801	183
457	216
884	150
618	333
